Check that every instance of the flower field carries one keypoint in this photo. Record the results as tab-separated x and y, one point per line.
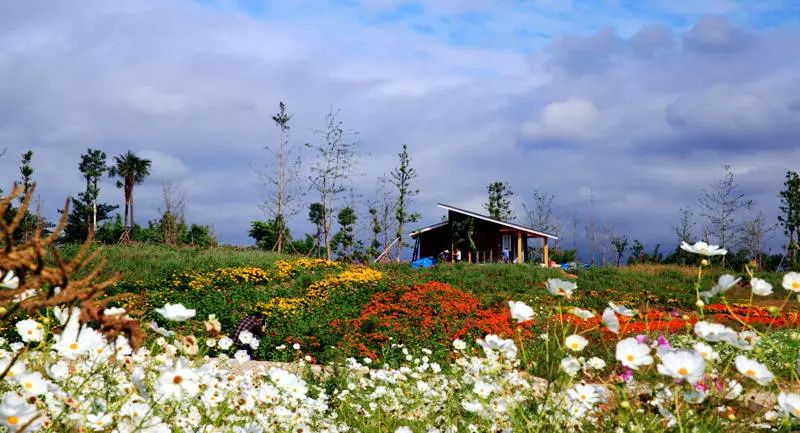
388	349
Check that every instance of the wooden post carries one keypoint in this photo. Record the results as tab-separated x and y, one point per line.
520	257
546	253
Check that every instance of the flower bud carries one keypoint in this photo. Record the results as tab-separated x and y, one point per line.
625	405
704	262
774	310
700	303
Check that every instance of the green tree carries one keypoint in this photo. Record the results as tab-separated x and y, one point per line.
637	253
402	176
620	243
499	202
86	211
26	170
376	228
265	234
316	215
93	166
130	170
344	239
790	218
30	221
720	205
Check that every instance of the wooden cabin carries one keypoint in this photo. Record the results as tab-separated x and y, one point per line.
490	236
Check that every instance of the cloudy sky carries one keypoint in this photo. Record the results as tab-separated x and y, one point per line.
637	104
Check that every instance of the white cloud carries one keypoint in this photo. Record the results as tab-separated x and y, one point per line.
572	119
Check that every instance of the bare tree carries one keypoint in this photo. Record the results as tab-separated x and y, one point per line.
684	230
173	214
755	234
336	162
385	205
591	229
282	178
541	213
720	205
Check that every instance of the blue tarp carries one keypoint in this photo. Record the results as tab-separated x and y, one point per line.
425	262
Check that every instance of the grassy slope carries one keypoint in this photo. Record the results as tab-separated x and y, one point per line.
144	262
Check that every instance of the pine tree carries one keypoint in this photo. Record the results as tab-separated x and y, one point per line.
402	176
499	202
790	218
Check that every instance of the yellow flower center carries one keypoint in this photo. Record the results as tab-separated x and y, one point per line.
574	345
582	397
630	358
28	385
796	285
74	346
683	371
750	372
12	420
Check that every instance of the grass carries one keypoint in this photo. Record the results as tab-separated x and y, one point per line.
147	262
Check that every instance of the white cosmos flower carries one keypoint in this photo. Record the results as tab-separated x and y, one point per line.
725	282
610	320
575	342
114	311
99	422
581	313
704	249
10	281
241	356
587	395
760	287
570	365
753	369
245	337
789	402
520	311
33	383
714	332
505	346
633	354
178	382
472	406
596	363
161	331
77	340
61	314
403	429
682	364
30	330
706	351
791	281
459	344
621	310
225	343
16	412
176	312
483	389
560	287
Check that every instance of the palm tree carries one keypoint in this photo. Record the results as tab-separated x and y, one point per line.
131	170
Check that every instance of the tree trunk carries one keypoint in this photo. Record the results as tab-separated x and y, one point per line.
399	241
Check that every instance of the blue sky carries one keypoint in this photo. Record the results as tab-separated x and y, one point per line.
637	104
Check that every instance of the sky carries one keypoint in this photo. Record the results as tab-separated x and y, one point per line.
632	105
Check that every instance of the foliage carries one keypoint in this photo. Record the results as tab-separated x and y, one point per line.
499	203
131	171
402	177
344	240
790	218
266	234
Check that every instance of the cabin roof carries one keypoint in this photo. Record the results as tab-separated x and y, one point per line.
537	233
